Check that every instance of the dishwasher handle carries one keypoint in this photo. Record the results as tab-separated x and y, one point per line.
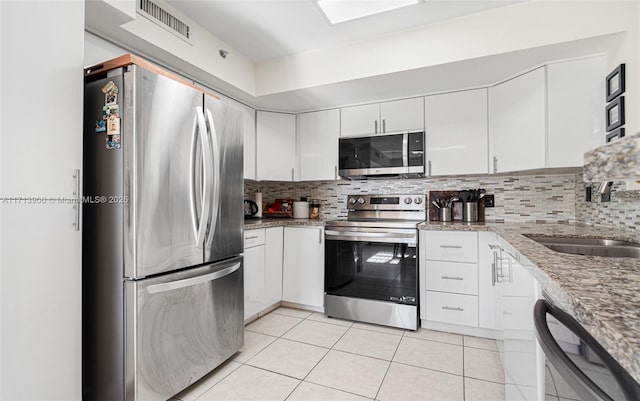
575	377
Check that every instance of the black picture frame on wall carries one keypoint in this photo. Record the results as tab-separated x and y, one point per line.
616	134
615	83
614	114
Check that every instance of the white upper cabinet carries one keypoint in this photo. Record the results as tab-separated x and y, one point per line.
402	115
517	115
456	133
360	120
318	134
249	128
576	103
276	138
378	118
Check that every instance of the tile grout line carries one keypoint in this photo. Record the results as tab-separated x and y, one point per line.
321	359
389	366
464	388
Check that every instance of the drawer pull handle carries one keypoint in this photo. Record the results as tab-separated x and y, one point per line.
252	237
451	278
457	309
451	246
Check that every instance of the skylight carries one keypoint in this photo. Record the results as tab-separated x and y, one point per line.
338	11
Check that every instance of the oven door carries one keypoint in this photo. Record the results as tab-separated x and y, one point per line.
372	263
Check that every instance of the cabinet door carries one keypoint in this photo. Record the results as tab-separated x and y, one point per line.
249	129
456	133
273	265
318	134
303	268
489	291
576	100
253	280
451	246
41	252
517	119
276	138
402	115
360	120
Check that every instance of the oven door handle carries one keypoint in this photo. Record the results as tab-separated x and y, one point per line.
370	237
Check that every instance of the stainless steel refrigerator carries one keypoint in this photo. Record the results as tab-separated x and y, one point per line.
162	232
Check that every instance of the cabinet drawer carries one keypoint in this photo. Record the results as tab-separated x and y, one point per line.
452	246
253	238
459	278
452	308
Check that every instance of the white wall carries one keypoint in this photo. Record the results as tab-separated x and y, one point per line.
628	52
97	50
41	43
199	58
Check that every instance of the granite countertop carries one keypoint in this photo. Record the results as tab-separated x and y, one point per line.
254	224
603	294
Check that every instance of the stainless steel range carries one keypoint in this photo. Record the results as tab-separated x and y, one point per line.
371	264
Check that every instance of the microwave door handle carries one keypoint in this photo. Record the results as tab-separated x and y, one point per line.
405	150
215	166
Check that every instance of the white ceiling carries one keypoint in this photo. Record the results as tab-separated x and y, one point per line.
267	29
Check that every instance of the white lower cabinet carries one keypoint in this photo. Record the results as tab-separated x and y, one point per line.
452	308
459	278
274	241
489	292
303	266
262	269
455	280
253	272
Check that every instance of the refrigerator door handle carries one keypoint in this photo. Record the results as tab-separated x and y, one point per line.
199	131
215	166
188	282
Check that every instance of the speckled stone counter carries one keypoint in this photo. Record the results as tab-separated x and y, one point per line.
253	224
603	294
617	160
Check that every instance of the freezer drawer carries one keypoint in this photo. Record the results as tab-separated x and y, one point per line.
181	326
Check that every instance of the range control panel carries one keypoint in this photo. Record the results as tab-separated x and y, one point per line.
386	202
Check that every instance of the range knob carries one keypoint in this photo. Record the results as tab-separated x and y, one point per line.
361	201
418	201
352	201
407	201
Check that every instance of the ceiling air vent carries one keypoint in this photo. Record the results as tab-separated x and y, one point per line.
163	18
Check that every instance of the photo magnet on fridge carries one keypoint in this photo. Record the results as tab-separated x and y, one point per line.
113	125
112	142
110	110
101	126
110	87
110	98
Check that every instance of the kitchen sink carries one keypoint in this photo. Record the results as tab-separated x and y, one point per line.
590	246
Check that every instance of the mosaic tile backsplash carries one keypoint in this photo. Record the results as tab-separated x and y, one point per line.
622	212
522	198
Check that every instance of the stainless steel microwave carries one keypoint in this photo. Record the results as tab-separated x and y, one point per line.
383	155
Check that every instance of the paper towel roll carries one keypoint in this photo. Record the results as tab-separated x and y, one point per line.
258	200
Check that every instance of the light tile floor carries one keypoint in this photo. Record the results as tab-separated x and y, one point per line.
297	355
